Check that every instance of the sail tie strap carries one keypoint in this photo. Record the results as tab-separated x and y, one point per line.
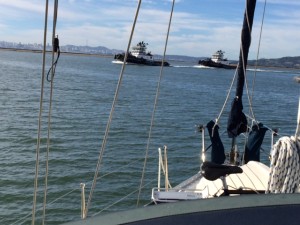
285	166
217	147
254	142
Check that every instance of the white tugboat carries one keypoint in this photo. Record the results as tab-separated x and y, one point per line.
217	60
139	55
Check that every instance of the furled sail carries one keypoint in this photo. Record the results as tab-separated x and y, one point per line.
237	122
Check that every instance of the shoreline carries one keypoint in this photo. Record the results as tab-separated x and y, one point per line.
47	51
111	56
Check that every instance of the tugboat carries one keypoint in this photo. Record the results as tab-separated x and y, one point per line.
138	55
217	60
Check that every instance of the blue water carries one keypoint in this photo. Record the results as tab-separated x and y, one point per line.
84	88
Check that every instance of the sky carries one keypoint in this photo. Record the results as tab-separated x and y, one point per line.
198	28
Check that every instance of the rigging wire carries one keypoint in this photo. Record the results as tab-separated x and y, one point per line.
51	80
244	73
111	111
55	46
245	81
244	68
249	99
250	96
155	103
234	77
258	50
76	189
126	196
22	220
227	97
40	117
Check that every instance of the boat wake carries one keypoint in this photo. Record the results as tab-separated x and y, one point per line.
203	67
273	71
117	62
181	66
192	66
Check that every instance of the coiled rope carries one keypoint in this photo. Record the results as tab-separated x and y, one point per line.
285	166
285	163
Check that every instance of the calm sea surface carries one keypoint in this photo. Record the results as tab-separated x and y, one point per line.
84	88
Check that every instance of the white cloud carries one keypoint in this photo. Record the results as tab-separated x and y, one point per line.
32	6
283	2
194	30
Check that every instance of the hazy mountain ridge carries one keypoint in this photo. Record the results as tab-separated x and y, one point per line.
287	62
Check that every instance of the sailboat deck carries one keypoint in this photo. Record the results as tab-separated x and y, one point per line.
199	187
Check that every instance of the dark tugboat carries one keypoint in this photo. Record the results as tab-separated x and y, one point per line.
218	61
138	55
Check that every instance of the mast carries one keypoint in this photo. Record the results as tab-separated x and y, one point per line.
237	122
245	45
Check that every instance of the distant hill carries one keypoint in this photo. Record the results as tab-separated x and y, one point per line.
89	50
286	62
